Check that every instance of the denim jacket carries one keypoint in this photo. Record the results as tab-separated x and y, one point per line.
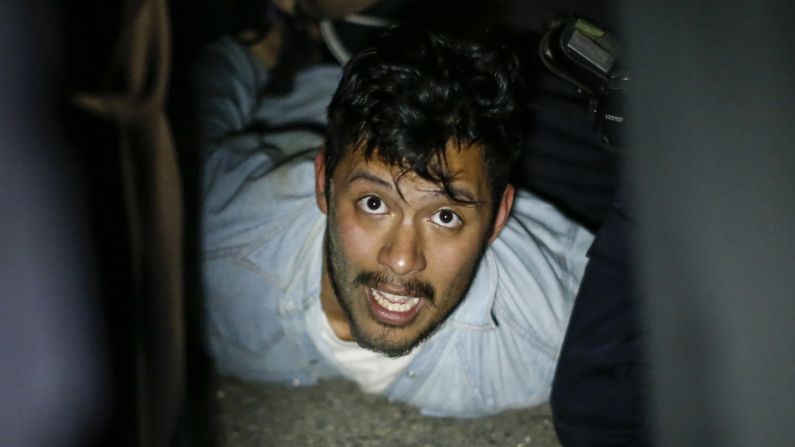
262	259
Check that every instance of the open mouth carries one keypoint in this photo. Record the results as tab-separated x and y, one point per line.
392	309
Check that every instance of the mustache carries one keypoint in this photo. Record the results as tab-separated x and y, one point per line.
414	288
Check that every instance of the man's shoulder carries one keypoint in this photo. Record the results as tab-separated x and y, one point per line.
261	205
537	227
276	234
540	258
529	276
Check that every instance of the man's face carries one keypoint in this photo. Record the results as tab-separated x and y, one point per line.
400	253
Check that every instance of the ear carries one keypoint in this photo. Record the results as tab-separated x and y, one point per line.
320	181
503	211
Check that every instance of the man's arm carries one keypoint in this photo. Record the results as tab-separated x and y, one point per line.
227	80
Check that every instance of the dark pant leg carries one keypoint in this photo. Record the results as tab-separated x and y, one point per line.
596	394
597	397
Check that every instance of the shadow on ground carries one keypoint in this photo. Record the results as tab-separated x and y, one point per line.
336	413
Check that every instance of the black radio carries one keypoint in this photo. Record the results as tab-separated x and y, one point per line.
584	54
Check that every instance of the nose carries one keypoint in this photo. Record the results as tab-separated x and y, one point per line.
402	251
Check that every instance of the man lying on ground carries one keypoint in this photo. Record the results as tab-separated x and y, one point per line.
390	249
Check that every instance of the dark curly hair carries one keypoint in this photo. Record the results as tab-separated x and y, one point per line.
413	90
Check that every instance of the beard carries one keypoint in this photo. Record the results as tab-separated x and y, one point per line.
348	284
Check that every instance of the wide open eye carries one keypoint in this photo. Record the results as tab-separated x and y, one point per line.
447	219
372	205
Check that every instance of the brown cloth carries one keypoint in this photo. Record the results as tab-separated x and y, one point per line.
154	205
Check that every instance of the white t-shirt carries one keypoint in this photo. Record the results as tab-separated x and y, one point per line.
373	371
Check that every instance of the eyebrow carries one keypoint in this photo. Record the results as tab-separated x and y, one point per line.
361	175
465	196
462	195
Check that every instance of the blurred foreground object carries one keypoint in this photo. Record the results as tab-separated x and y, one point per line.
53	360
93	350
714	176
152	196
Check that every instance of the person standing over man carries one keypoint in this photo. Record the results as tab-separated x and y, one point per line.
390	249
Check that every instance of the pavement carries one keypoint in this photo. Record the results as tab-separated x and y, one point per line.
336	413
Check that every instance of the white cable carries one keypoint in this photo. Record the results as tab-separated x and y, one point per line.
364	20
333	41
